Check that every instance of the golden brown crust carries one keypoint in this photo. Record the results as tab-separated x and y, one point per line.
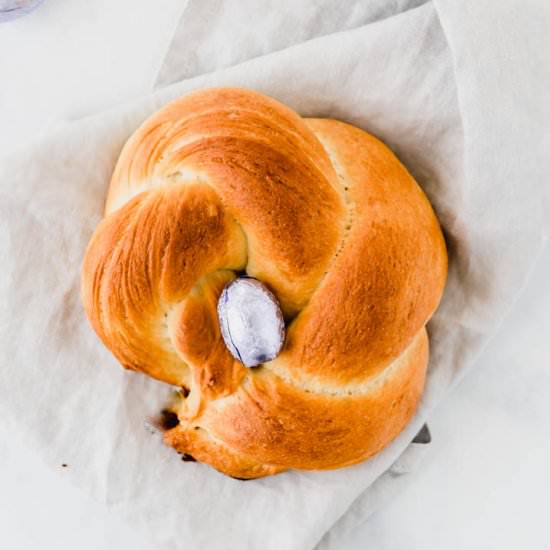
277	422
268	170
146	257
389	274
197	443
197	338
226	180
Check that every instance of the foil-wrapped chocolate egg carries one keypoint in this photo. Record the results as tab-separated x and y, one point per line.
251	321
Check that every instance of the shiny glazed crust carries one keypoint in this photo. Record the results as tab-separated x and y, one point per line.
228	180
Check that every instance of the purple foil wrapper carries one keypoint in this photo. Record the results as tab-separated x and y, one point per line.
251	321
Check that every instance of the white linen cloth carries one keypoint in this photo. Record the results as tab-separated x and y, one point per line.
457	98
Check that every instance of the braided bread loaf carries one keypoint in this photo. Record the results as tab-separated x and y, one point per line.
225	181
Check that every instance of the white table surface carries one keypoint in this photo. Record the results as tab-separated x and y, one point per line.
485	482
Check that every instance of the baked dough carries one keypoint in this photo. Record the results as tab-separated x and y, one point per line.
225	181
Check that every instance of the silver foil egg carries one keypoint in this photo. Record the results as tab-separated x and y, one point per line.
251	321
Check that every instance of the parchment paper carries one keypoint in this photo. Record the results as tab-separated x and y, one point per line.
454	111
